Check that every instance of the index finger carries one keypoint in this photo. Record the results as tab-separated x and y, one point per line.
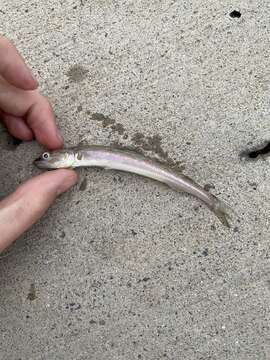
34	110
13	67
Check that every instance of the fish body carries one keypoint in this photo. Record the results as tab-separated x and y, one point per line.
132	162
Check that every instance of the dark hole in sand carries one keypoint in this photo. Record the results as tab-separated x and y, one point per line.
235	14
262	151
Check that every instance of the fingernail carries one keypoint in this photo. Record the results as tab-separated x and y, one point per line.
67	182
59	136
32	77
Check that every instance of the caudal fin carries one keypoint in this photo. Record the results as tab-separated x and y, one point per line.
222	211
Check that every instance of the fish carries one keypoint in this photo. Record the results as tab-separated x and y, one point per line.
130	161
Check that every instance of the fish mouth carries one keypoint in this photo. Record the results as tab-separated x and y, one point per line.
42	164
39	163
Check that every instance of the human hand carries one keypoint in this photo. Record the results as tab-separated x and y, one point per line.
27	115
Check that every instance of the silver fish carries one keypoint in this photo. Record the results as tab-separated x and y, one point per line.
129	161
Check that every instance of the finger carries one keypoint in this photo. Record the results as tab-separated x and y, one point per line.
20	210
35	109
17	127
40	118
13	67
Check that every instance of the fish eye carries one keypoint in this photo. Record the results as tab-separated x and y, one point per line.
46	156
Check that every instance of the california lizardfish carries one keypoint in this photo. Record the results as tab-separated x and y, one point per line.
125	160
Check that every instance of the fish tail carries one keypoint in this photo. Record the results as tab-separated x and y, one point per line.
222	210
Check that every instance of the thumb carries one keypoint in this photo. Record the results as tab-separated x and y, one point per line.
27	204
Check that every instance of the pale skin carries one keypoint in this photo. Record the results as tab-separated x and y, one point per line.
27	115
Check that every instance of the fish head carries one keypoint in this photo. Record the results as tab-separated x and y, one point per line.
59	159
